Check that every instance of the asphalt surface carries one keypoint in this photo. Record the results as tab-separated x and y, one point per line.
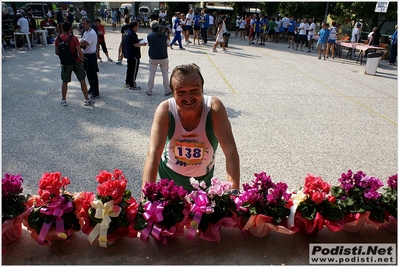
291	115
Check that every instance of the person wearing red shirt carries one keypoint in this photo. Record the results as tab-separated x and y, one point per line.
77	66
101	40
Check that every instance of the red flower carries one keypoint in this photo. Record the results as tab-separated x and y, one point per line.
316	188
50	185
103	177
113	185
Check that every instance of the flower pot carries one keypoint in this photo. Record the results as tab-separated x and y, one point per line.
391	226
355	222
309	227
212	233
12	233
259	226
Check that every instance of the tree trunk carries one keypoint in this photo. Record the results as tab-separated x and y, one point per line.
91	14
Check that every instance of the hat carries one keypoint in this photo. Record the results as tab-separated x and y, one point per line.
358	25
154	24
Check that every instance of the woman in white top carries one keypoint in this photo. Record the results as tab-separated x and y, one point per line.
331	39
221	30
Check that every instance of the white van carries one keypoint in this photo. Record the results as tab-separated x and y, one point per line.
129	7
144	10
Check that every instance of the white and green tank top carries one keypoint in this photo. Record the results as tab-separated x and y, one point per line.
189	153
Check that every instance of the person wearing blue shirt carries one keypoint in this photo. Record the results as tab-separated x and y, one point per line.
291	32
263	21
257	27
204	26
178	28
394	47
197	26
322	42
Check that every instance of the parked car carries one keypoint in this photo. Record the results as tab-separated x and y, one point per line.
38	9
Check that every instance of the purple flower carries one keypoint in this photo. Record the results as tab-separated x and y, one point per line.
393	182
11	185
371	185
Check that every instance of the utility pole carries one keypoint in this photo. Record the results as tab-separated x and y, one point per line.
325	15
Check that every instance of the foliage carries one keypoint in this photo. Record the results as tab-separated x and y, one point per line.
264	197
218	202
358	193
52	200
112	187
13	203
389	197
170	196
37	218
319	200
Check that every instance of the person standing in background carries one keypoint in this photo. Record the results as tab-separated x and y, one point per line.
76	66
158	43
394	47
204	26
132	53
89	44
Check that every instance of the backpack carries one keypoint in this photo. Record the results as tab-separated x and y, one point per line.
64	51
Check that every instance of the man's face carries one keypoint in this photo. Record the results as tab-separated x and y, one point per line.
85	25
187	91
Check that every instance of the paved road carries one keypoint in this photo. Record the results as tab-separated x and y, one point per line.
291	114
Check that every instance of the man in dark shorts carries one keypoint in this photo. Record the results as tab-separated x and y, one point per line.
77	66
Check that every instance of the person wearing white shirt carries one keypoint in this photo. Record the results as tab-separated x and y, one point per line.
303	27
189	24
284	22
23	26
242	28
162	17
311	32
355	36
89	45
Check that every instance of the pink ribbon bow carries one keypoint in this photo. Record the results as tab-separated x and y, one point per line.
56	208
200	206
152	214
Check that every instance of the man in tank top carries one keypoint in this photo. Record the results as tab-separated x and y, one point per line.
186	131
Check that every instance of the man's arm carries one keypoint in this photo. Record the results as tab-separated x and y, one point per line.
159	132
80	53
222	129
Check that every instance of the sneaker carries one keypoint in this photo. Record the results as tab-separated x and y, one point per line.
186	43
308	51
119	62
214	50
94	97
110	60
182	48
64	103
226	51
134	87
319	58
189	41
289	47
88	102
99	58
296	49
171	46
148	92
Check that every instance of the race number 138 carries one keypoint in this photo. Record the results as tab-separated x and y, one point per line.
190	153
